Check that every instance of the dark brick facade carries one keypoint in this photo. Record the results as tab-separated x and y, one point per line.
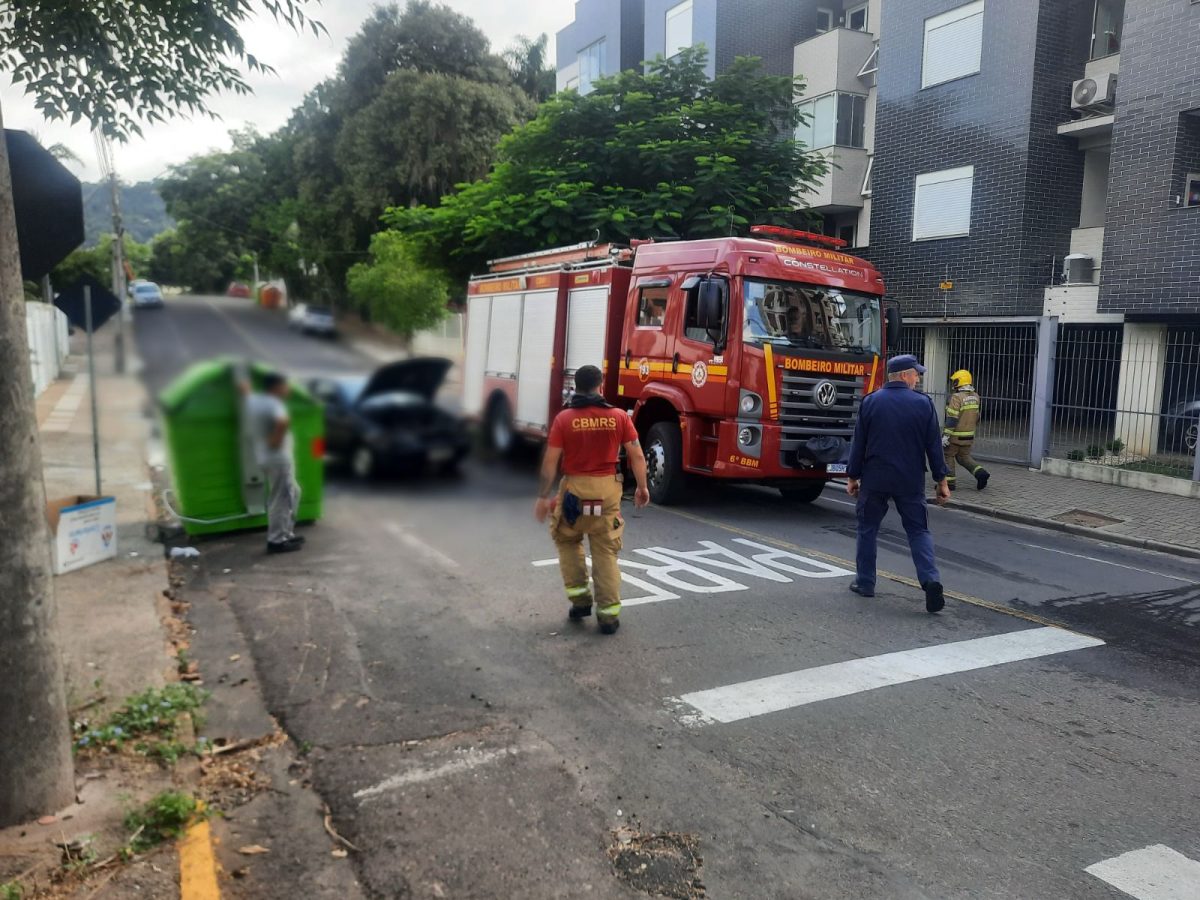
1152	245
1026	190
769	29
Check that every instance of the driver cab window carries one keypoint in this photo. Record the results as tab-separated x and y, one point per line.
652	306
691	318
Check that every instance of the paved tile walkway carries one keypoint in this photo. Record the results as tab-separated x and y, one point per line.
1141	516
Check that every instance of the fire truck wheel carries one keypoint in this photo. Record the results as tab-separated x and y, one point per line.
501	438
664	463
805	492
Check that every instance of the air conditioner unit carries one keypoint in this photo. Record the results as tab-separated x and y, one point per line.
1087	93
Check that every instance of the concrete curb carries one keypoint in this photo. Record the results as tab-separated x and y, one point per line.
1052	525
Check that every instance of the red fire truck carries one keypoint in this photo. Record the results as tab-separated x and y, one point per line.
738	358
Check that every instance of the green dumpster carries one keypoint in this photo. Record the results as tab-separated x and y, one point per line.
217	484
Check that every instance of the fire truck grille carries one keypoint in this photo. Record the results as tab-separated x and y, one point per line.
818	405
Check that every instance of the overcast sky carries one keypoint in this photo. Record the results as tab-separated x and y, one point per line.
300	60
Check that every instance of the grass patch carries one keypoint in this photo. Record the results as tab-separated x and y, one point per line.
163	818
149	719
10	890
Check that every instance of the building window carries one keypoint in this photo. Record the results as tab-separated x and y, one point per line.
591	66
866	185
835	119
953	45
1192	189
846	233
572	84
679	28
856	18
1106	27
824	20
942	204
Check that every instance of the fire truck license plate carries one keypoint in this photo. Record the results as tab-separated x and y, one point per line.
836	469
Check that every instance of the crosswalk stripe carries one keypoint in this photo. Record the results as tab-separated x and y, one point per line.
1152	873
778	692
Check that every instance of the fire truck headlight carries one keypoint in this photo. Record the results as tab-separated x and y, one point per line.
748	436
751	403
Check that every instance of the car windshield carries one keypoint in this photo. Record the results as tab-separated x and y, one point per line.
788	313
146	289
318	311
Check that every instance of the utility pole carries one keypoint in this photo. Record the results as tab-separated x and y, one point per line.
104	152
118	267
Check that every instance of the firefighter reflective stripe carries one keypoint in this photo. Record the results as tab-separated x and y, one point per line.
574	592
958	434
609	612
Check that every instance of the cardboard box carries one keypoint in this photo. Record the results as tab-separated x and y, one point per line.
83	530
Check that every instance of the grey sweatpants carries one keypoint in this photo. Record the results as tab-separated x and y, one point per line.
283	496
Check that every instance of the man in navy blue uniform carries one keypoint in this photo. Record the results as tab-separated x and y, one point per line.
896	434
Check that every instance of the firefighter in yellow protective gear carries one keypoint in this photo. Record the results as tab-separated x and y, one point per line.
584	443
958	435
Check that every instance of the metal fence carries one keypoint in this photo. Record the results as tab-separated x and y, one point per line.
46	329
1002	360
1127	397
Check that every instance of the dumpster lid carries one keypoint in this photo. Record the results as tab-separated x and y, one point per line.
421	376
200	374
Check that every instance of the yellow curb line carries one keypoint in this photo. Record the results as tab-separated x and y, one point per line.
198	863
891	576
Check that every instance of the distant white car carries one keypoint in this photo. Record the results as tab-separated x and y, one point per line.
146	295
312	320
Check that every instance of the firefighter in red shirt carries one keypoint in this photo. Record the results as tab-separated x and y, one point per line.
585	439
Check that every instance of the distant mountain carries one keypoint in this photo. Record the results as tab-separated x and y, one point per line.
142	210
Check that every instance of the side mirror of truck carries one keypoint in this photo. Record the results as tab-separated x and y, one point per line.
895	322
712	302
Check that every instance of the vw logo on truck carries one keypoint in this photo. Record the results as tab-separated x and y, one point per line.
825	394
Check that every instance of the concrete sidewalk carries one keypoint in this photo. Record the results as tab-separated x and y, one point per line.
1118	514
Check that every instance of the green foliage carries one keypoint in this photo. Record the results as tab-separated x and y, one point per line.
1076	455
163	818
10	890
116	63
97	262
153	715
1115	446
395	289
1095	450
527	60
665	153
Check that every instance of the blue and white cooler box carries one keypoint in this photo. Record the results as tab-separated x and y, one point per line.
83	530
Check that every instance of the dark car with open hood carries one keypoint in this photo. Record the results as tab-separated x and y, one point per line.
390	422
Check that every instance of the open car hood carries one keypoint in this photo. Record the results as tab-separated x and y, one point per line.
422	376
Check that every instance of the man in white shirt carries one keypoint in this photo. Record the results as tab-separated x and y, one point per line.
270	427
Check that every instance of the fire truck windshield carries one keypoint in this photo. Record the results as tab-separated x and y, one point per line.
792	314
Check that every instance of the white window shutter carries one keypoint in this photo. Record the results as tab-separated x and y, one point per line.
953	45
942	204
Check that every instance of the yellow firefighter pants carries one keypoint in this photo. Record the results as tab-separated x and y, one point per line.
959	450
604	533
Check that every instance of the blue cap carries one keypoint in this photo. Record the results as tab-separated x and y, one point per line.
904	363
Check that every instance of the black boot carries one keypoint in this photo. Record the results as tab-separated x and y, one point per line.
580	612
981	478
610	626
935	598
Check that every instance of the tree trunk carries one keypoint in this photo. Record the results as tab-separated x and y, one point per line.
36	773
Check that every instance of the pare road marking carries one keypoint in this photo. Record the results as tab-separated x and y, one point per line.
1152	873
662	571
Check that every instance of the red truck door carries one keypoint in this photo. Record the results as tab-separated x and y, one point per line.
696	359
646	354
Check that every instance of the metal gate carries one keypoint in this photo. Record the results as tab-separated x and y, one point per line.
1002	358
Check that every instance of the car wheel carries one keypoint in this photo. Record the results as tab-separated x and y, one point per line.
362	462
664	463
501	436
802	492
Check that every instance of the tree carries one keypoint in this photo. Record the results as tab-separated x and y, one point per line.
665	153
112	63
396	289
526	59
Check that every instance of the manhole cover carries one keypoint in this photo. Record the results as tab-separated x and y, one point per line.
661	865
1086	519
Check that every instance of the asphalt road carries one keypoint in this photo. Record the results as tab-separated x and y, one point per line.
801	741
